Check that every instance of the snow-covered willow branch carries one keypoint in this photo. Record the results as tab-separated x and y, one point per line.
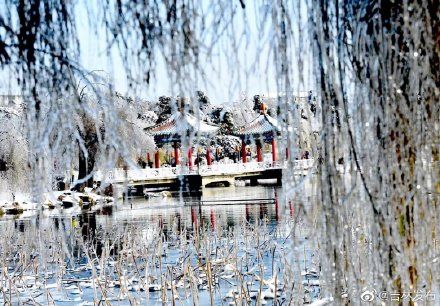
373	65
39	43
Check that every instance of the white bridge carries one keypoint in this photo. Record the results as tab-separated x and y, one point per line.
207	175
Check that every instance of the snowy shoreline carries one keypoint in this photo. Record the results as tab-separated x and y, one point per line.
56	200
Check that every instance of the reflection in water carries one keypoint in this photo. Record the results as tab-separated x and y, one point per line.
226	208
227	218
217	205
256	204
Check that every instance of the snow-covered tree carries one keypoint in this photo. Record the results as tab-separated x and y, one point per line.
375	68
13	152
164	109
130	132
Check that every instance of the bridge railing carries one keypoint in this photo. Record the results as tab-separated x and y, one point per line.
303	164
121	175
234	168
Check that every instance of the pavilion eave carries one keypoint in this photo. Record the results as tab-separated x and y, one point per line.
263	126
180	125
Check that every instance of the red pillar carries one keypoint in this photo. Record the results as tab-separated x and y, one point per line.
274	150
160	221
212	219
248	214
243	151
156	160
291	208
176	153
193	216
259	153
148	159
208	157
287	153
190	162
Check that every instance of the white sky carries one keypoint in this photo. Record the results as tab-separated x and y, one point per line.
221	87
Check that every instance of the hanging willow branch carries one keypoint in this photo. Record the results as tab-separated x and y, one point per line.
374	66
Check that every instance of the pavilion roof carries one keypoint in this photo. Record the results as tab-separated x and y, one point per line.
182	123
261	125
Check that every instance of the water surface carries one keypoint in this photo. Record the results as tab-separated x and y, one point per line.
189	227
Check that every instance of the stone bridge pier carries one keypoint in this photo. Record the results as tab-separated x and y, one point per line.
212	181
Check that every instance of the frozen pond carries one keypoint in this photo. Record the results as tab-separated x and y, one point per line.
231	245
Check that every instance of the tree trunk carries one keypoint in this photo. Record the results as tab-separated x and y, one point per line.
86	165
